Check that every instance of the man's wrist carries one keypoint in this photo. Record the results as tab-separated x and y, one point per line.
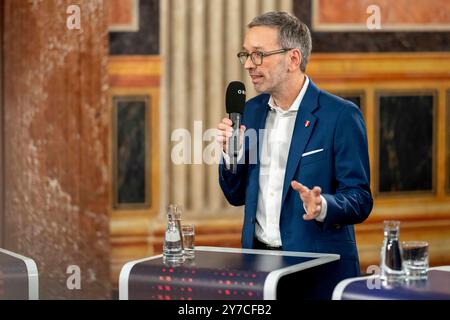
323	212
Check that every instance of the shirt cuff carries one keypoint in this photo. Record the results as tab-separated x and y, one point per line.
323	213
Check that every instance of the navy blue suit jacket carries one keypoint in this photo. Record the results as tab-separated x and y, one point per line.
327	122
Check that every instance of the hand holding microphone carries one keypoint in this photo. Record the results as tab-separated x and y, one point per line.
224	133
230	132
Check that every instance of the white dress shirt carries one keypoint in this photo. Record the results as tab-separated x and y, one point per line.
273	159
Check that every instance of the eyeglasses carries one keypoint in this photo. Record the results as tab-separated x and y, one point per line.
257	56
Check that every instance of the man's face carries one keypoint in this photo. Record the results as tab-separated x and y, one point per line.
269	76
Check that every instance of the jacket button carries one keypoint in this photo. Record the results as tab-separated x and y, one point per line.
253	220
337	226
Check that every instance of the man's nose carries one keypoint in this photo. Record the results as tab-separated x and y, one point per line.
249	64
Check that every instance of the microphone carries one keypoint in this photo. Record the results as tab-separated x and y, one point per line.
235	103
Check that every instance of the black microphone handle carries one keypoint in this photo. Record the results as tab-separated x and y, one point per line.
234	142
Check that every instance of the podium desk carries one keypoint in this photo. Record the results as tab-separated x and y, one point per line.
436	287
18	277
224	274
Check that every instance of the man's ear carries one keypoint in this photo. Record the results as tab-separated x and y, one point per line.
295	59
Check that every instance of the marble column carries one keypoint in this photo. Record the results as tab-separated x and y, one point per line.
55	144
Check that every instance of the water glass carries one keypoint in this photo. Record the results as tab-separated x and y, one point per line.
415	259
188	231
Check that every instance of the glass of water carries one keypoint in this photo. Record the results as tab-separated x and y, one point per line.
415	259
188	231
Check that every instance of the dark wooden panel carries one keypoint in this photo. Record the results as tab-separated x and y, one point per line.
131	158
407	147
56	129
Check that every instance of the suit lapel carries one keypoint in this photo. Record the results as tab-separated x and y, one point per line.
304	126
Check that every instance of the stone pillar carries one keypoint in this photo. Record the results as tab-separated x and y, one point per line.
55	143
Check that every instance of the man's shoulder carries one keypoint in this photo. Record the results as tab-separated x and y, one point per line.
257	101
333	103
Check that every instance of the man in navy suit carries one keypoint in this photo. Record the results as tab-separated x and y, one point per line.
310	182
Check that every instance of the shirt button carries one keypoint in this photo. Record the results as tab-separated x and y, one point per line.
272	194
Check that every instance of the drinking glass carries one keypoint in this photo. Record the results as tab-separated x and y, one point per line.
188	231
415	259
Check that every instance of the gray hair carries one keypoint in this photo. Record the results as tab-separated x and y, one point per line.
292	32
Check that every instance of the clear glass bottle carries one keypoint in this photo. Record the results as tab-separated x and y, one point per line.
173	243
391	259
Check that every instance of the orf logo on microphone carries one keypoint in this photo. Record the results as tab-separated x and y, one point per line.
241	91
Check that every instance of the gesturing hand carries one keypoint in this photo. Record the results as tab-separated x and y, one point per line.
311	200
